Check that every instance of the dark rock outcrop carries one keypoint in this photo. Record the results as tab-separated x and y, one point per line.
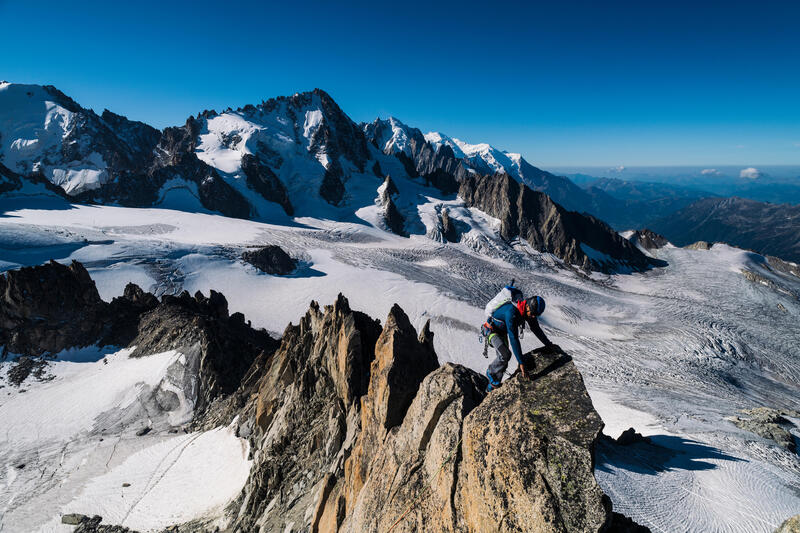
262	179
271	259
770	424
25	366
630	436
548	227
392	217
649	240
449	231
92	524
622	524
48	308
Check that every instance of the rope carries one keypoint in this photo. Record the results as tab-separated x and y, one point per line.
430	485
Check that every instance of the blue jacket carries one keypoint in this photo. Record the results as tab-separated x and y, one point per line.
507	320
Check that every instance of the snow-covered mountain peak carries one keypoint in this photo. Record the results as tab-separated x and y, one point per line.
39	134
392	136
483	157
43	131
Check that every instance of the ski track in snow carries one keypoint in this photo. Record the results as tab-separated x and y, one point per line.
673	351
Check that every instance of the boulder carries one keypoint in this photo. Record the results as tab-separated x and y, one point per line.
630	436
271	259
73	519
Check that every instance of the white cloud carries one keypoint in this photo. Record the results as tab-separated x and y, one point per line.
620	169
710	172
750	173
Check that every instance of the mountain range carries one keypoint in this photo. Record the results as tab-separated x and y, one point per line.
302	156
287	157
765	228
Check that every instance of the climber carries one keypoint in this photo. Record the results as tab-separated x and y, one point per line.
508	313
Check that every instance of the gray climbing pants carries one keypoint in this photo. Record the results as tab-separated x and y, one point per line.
498	367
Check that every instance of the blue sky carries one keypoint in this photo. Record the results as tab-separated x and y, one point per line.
564	83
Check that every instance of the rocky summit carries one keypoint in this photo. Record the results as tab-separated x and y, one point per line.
356	427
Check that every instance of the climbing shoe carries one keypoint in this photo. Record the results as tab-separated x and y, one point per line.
492	383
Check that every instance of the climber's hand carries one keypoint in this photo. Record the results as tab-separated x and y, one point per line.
523	371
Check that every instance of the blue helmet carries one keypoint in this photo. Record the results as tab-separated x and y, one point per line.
537	305
531	307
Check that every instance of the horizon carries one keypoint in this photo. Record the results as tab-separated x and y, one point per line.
633	86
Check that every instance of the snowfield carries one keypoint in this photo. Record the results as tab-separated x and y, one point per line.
672	352
70	445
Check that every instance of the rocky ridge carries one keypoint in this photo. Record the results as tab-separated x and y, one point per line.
52	307
356	427
548	227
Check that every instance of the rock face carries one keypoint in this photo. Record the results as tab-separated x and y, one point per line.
219	348
548	227
262	179
532	443
648	240
784	266
271	259
303	417
48	308
356	428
